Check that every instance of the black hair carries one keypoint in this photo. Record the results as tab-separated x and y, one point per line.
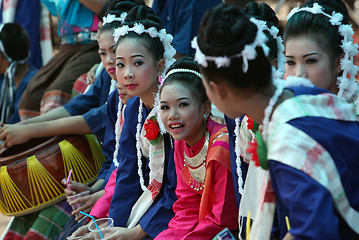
264	12
189	80
225	31
15	40
318	27
147	17
122	5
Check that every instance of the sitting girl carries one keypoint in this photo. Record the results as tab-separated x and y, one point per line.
206	203
309	139
15	73
145	183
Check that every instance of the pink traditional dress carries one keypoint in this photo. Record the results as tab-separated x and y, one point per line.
206	203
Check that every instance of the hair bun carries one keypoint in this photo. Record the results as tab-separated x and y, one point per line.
225	30
145	15
125	5
262	12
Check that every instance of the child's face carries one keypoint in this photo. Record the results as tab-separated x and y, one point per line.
181	113
304	58
122	93
106	50
136	70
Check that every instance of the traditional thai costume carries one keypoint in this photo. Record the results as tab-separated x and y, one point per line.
206	203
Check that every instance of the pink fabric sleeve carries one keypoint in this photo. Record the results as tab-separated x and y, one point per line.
102	206
224	210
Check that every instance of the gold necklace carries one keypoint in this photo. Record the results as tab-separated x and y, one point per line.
197	167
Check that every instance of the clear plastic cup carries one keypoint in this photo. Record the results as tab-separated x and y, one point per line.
103	224
77	196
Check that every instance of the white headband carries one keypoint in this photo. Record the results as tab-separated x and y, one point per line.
164	37
248	53
346	88
182	70
112	18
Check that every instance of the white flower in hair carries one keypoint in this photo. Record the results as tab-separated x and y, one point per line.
222	61
123	16
152	31
199	56
274	31
350	48
346	30
266	49
162	34
119	32
107	19
248	53
316	8
336	19
112	18
138	28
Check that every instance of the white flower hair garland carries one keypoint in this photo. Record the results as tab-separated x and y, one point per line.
164	37
347	85
109	18
274	32
248	53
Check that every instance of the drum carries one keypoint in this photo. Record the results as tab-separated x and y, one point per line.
31	173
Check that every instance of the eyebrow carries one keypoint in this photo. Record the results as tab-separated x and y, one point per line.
110	47
133	56
179	99
304	56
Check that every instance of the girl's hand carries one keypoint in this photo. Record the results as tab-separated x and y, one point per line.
83	231
76	187
86	204
90	77
120	233
13	135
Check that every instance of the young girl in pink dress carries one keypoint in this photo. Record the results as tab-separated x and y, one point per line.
206	202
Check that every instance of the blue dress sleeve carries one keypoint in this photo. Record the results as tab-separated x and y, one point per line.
92	105
308	204
157	217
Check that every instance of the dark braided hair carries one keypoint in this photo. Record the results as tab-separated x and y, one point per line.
147	17
264	12
318	27
189	80
225	31
117	7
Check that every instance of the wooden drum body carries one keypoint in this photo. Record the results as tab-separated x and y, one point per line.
31	173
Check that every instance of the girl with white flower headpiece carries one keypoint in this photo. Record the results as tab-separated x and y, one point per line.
319	46
146	179
309	139
206	202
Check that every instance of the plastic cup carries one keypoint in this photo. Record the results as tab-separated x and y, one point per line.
77	196
103	224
